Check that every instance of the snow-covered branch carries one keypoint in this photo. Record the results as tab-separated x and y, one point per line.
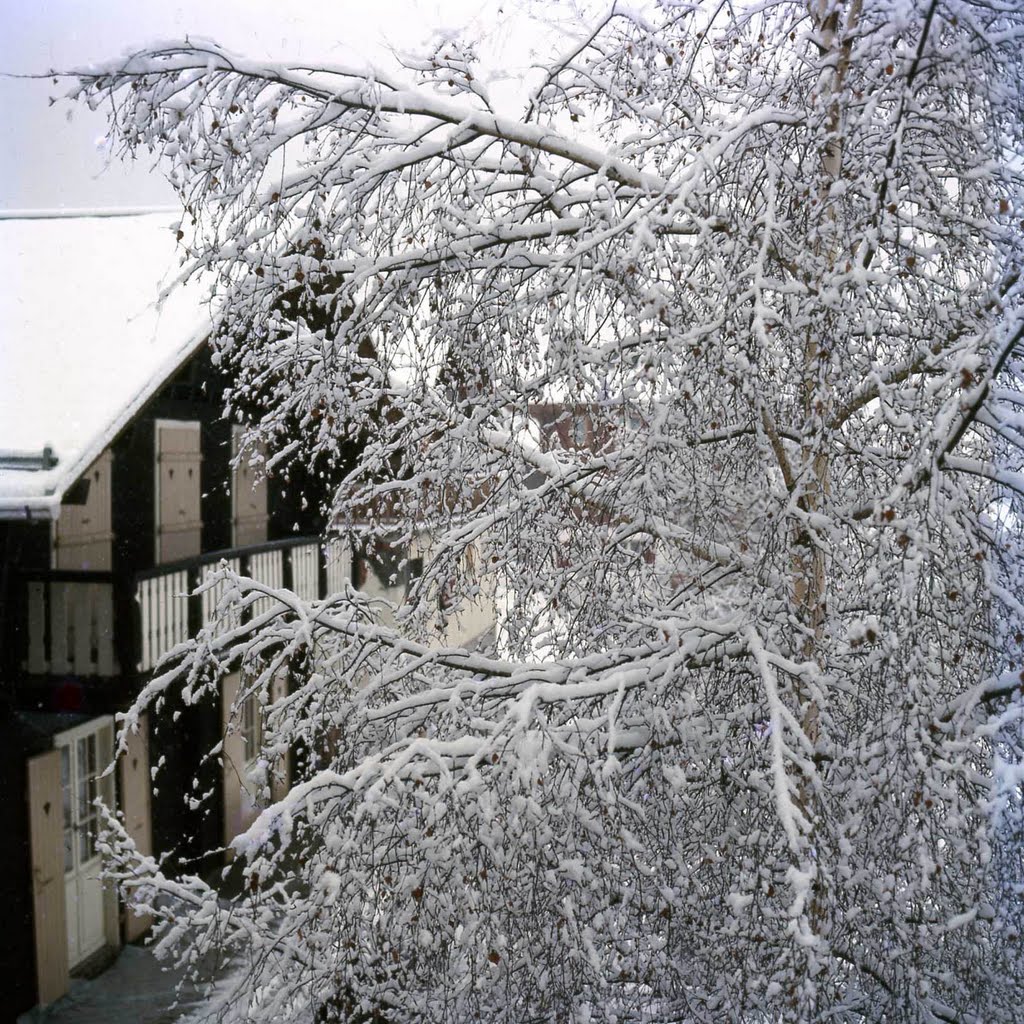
703	376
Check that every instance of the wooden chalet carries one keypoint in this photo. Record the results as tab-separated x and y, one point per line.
116	494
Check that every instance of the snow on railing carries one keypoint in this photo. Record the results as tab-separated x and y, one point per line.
213	596
70	616
267	567
163	593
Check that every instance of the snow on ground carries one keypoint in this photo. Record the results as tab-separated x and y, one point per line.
136	989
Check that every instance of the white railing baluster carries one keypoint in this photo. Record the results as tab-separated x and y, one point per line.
172	610
236	616
305	572
154	653
154	619
143	603
163	598
163	615
209	601
339	566
182	606
178	632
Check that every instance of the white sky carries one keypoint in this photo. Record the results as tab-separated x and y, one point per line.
55	157
49	155
105	339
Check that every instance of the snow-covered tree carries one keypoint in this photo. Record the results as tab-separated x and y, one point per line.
747	743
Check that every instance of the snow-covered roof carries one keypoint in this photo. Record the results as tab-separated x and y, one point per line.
84	341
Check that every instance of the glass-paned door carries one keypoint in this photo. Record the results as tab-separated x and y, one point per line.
84	753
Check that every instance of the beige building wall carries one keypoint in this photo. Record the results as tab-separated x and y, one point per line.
242	801
280	781
239	807
475	617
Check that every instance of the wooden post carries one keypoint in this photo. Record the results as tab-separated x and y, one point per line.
59	661
105	660
37	652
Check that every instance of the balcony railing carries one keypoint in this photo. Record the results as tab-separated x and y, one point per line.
95	624
69	624
168	615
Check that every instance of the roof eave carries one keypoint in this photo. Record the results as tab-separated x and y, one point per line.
30	509
27	507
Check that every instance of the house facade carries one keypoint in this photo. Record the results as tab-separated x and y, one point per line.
117	495
119	492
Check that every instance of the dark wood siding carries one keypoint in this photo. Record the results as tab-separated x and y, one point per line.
17	950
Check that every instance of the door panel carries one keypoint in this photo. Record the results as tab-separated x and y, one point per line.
45	828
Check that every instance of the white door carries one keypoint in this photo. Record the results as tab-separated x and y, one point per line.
85	751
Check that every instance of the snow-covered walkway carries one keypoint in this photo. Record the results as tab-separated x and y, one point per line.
135	989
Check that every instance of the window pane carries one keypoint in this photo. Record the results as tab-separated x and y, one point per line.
83	779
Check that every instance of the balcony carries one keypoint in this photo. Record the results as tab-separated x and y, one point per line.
99	626
69	624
